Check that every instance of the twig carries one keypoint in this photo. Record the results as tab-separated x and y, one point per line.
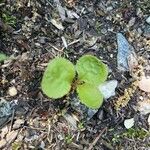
76	146
107	144
55	48
2	4
12	119
39	129
49	130
96	139
73	42
48	1
61	50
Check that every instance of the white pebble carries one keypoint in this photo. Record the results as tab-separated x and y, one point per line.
148	120
129	123
12	91
148	20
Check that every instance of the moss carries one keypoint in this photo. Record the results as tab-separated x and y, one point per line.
9	19
16	145
132	133
136	133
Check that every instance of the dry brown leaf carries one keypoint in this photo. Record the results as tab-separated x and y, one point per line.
144	84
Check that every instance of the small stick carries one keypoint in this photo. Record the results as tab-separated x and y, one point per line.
12	119
55	48
96	139
73	42
39	129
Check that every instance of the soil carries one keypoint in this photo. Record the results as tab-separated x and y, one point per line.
30	38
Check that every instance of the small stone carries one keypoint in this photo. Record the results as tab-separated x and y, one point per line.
42	40
103	31
148	120
100	114
3	142
5	109
109	8
140	31
91	113
60	137
42	145
144	107
124	51
144	84
147	31
148	20
141	97
37	44
108	88
111	55
131	22
12	91
71	120
129	123
18	123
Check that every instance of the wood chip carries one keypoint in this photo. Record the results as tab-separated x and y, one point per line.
3	142
11	136
58	25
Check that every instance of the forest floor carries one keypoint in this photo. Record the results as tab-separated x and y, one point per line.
32	33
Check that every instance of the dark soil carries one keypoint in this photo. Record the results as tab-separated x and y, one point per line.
31	40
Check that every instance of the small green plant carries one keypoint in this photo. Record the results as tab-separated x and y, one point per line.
80	125
60	74
69	139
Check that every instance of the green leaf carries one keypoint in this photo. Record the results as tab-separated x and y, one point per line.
57	78
3	57
90	95
91	70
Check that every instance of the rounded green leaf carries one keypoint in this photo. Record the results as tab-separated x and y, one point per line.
90	95
57	78
3	57
91	70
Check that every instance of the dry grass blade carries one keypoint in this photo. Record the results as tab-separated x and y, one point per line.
96	139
